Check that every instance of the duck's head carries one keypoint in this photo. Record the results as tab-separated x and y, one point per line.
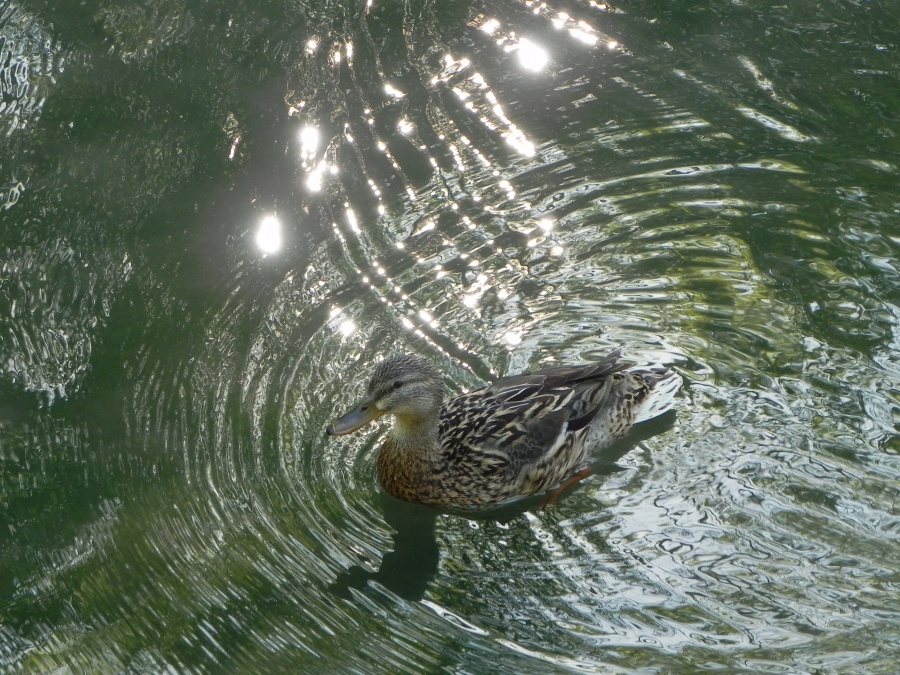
408	387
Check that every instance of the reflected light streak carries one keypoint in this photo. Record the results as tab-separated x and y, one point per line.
490	26
583	36
425	315
340	324
476	291
268	236
429	225
314	179
517	140
531	56
581	30
513	338
354	225
309	142
347	328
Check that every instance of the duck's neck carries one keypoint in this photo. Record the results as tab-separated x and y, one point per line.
408	458
415	431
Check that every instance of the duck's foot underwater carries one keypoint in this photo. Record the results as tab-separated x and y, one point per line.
554	494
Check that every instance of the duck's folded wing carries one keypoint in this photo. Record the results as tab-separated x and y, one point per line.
526	418
555	377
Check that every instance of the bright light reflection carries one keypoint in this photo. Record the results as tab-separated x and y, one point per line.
406	127
347	328
312	45
546	224
583	36
314	179
518	141
354	225
268	236
513	338
531	56
490	26
309	142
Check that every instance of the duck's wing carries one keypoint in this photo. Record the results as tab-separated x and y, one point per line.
558	376
530	418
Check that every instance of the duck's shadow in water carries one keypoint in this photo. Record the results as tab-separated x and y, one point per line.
412	564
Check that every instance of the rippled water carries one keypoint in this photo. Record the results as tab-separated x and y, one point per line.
216	217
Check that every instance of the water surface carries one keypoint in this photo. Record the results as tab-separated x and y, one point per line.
215	217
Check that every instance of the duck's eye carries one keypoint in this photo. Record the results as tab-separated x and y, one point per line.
398	384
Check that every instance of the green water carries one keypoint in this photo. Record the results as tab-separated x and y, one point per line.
215	217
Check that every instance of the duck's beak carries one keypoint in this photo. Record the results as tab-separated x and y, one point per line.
357	418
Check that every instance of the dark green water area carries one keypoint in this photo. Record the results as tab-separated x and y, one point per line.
216	216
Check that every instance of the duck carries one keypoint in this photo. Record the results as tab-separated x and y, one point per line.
518	436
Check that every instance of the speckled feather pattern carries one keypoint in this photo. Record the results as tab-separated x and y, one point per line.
521	435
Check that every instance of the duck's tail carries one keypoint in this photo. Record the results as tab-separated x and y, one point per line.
663	383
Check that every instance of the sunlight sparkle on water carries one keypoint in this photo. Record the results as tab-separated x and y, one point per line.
490	26
309	142
513	338
425	315
531	56
347	328
583	36
354	225
315	177
518	141
268	236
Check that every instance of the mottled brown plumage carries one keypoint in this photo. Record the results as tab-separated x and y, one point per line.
521	435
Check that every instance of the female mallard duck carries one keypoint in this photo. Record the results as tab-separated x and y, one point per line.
521	435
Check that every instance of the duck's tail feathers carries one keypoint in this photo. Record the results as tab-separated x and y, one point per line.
663	385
